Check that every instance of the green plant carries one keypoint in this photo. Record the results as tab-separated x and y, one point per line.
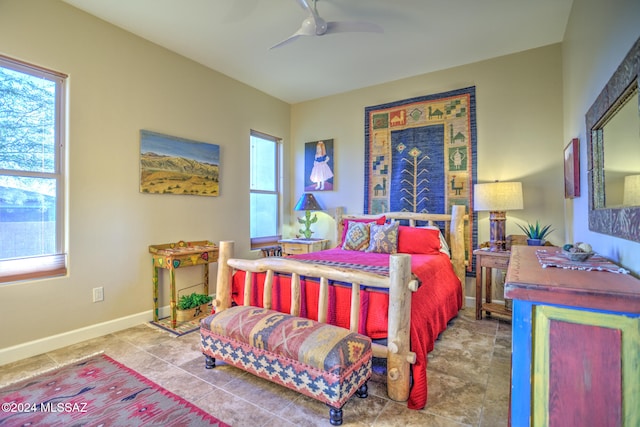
187	302
536	231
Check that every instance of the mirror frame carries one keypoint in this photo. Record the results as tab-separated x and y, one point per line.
622	222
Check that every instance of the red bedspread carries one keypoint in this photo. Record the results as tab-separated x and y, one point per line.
435	303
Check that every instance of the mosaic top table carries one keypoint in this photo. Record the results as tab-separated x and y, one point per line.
177	255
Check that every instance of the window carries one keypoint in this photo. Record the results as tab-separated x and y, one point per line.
31	172
264	189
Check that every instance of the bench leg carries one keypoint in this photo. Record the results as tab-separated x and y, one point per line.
363	391
335	416
209	362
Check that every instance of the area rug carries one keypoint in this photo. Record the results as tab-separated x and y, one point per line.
182	328
97	391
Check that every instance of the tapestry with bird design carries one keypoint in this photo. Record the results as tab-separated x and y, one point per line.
420	155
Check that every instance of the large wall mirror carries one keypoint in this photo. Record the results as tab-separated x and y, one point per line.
613	151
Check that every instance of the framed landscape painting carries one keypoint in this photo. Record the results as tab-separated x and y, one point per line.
172	165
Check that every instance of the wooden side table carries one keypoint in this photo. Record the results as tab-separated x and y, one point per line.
177	255
302	246
487	259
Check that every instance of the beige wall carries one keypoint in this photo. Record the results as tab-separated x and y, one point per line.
119	84
519	128
598	36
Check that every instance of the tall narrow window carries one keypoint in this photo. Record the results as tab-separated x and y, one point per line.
264	189
31	172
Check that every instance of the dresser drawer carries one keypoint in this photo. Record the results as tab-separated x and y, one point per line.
302	246
495	262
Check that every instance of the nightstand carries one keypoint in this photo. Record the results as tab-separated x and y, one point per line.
487	259
302	246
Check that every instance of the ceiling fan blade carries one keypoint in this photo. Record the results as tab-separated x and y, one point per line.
309	27
353	27
286	41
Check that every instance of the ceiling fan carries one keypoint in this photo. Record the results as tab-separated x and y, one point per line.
314	25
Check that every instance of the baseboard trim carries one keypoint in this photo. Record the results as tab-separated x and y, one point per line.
54	342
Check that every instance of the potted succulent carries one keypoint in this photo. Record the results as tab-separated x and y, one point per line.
192	306
536	234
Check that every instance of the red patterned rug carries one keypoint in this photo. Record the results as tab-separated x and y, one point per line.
96	391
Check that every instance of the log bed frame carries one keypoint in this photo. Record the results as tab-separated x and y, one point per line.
400	285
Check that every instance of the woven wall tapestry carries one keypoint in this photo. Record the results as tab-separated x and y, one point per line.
420	156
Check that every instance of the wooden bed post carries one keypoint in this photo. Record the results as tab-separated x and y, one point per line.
223	281
339	226
457	245
399	355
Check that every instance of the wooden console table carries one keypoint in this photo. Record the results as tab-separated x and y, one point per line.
177	255
575	346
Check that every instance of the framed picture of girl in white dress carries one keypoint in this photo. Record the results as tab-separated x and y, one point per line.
318	165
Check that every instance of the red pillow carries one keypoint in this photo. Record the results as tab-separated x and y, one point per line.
345	225
413	240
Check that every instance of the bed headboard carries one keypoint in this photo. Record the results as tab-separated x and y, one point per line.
451	225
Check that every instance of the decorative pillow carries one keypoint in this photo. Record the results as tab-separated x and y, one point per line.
357	237
444	246
414	240
384	238
346	222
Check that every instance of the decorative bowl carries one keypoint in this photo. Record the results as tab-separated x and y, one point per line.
577	256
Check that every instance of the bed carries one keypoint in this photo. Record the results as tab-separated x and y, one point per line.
402	300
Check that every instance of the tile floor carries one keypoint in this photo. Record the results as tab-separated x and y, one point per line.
468	374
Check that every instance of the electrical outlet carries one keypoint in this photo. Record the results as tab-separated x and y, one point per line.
98	294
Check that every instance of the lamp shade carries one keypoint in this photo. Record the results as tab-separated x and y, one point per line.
497	196
631	194
308	202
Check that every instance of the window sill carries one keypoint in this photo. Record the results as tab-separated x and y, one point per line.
18	269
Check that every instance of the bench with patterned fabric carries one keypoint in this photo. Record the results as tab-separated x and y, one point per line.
322	361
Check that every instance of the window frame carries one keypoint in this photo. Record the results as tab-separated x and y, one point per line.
264	241
50	265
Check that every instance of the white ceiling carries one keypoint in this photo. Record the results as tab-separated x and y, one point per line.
420	36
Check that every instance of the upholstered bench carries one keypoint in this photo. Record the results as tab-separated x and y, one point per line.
325	362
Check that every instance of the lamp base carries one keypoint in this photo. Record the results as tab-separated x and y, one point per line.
497	238
307	221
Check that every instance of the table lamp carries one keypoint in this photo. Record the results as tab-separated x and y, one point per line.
307	203
497	197
631	192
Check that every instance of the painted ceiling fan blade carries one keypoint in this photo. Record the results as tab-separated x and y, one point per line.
353	27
